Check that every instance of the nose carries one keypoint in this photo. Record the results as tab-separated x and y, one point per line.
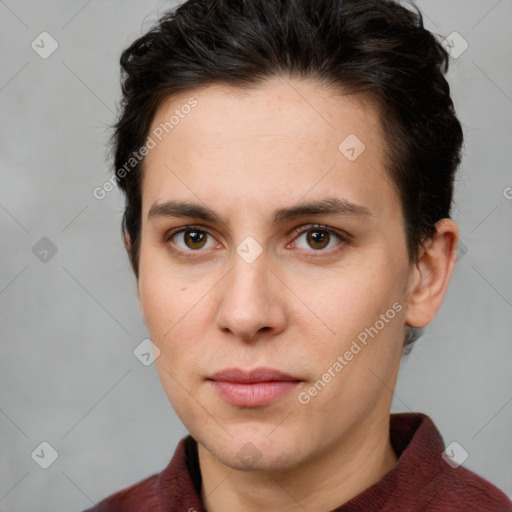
252	303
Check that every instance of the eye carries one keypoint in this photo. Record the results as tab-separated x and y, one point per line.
319	238
191	239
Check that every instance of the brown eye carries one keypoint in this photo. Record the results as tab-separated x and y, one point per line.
191	239
318	239
195	239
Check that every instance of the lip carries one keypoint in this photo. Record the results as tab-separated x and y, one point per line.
252	376
252	388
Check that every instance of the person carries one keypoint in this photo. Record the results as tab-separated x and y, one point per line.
288	168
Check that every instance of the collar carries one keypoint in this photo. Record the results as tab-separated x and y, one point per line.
414	438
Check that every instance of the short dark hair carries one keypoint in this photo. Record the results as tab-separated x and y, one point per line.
378	48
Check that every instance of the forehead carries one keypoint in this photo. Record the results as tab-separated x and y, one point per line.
299	109
284	135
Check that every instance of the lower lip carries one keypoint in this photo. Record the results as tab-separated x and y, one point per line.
256	394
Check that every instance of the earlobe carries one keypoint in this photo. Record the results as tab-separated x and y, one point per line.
431	275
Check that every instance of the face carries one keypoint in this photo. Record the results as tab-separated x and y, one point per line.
270	240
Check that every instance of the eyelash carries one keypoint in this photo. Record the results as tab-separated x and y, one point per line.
343	237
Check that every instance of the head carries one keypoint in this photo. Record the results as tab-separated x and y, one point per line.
244	125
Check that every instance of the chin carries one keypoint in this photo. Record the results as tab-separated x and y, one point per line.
250	450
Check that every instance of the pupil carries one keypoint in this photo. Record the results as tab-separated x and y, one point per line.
196	238
318	238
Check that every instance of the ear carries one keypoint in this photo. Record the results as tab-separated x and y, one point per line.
127	243
128	246
431	274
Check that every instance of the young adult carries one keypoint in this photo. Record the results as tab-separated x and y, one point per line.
288	168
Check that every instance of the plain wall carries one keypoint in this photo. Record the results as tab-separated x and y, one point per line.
68	375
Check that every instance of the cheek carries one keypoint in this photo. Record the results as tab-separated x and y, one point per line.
157	303
176	315
164	292
364	307
361	358
172	322
169	309
348	301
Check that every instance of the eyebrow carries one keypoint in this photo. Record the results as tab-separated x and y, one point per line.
328	206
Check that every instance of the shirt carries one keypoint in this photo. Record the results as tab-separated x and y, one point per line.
423	480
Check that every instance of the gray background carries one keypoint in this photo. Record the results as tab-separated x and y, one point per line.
69	325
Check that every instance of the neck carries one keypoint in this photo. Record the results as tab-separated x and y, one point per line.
323	483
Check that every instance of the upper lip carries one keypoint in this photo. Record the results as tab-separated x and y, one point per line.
254	375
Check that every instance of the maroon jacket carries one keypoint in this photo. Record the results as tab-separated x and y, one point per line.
422	481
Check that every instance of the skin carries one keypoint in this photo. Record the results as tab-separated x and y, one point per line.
298	306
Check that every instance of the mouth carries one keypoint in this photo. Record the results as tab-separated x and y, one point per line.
252	388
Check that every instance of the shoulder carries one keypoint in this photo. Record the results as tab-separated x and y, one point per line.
460	490
139	497
169	489
427	477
